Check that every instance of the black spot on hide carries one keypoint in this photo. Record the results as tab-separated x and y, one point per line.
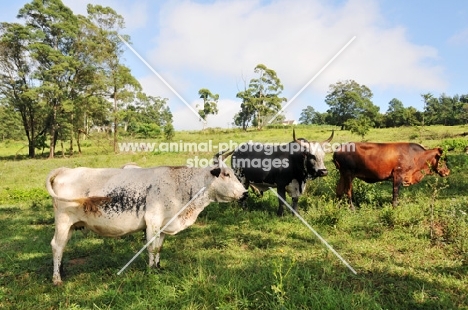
127	199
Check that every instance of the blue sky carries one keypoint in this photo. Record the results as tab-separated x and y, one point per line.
401	49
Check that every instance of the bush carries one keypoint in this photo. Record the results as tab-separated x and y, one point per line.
371	194
148	130
457	145
169	132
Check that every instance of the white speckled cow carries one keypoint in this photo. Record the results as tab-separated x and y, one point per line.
115	202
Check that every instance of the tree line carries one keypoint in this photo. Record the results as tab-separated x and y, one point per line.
61	74
351	107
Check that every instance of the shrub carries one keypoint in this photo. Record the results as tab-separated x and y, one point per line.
457	145
148	130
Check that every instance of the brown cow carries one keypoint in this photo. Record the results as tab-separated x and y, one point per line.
403	163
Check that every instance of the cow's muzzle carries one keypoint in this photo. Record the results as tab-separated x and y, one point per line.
318	173
443	172
244	196
322	172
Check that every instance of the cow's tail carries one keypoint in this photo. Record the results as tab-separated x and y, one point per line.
89	204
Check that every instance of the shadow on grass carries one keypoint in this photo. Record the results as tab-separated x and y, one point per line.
230	258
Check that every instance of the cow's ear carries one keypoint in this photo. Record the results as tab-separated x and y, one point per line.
216	172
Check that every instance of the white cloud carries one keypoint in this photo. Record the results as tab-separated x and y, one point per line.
459	38
135	15
295	38
217	44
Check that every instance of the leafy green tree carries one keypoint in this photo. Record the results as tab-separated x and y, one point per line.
430	108
360	125
412	117
169	132
349	100
452	110
54	28
10	126
444	110
307	116
395	113
17	82
310	116
121	84
246	114
464	113
210	104
146	116
59	72
261	100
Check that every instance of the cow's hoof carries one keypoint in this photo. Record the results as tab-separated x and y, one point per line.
58	282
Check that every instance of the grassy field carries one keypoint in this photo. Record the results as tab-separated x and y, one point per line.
412	257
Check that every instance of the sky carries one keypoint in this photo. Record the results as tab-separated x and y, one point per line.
397	48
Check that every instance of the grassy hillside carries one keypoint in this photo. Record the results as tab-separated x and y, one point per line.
413	256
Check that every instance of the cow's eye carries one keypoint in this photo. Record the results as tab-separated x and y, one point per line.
226	174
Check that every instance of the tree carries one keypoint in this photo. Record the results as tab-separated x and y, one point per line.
53	28
147	116
210	104
260	101
169	132
121	84
464	113
307	116
412	117
246	115
310	116
349	100
10	126
60	72
452	110
17	82
395	113
360	125
427	99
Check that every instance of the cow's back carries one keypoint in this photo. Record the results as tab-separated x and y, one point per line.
263	163
373	162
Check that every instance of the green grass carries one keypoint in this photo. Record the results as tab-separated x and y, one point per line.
411	257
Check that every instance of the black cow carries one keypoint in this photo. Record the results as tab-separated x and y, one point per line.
284	166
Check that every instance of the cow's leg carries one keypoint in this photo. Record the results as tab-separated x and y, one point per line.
281	193
295	189
396	189
154	248
62	234
294	202
345	186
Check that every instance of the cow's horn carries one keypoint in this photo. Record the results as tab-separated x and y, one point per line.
331	137
221	155
226	155
296	140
